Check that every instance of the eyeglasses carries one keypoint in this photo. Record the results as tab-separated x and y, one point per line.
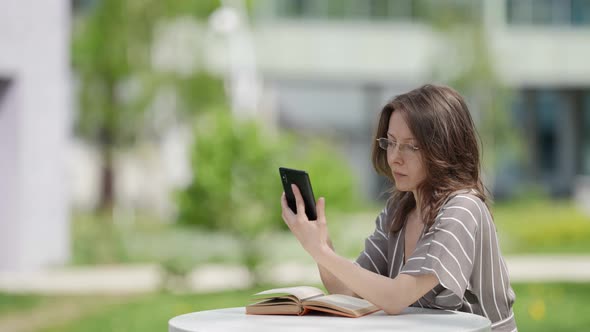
405	149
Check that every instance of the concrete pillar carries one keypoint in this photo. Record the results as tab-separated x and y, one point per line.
34	131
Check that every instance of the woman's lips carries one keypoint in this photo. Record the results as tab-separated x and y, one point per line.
398	174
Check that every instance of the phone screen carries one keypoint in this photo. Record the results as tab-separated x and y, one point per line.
301	179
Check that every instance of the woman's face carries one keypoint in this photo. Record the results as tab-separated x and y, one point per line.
406	163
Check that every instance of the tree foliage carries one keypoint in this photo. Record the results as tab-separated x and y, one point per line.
111	52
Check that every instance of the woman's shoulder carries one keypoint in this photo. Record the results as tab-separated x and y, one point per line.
463	209
468	199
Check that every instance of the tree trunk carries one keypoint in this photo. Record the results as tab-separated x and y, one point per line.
107	180
107	143
251	258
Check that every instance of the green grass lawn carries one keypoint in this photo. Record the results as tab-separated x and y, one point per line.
552	307
13	302
539	307
152	312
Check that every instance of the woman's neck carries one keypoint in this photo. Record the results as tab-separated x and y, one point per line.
418	204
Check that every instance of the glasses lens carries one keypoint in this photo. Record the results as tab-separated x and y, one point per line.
404	148
383	143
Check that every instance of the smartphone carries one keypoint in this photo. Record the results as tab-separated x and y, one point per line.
301	180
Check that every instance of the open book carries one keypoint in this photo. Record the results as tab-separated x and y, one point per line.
302	299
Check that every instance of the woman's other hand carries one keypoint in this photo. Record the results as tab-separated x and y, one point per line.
312	234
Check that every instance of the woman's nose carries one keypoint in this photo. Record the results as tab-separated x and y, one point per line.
394	156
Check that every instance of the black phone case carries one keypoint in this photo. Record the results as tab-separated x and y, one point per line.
301	180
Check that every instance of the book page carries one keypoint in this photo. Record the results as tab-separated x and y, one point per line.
342	302
301	292
287	299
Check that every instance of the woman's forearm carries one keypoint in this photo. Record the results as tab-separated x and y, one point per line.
331	282
391	295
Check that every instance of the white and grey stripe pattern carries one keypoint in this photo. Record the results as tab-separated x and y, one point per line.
461	249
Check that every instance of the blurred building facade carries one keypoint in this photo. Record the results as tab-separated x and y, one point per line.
330	65
34	131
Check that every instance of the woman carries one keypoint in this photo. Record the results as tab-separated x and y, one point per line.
434	243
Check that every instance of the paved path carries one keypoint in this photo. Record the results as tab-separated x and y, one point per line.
130	279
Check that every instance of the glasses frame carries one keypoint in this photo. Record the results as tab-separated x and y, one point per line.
403	148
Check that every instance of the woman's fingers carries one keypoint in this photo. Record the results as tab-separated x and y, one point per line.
286	212
298	200
310	235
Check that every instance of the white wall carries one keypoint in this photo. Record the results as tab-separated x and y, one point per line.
399	51
34	128
9	133
339	50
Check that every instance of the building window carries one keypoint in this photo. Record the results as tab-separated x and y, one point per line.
415	10
580	12
342	9
548	12
548	102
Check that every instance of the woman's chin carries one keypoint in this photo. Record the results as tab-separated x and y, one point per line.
401	187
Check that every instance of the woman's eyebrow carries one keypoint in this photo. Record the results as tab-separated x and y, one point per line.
403	139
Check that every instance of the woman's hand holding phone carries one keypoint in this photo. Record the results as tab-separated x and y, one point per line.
312	234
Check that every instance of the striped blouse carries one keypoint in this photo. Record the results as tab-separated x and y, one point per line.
461	249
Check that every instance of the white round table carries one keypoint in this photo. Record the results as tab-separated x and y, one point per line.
412	319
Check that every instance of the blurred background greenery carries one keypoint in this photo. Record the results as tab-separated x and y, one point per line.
135	87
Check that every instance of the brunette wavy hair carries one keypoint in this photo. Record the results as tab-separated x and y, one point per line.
443	127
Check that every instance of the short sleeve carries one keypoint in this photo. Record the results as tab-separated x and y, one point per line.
448	248
374	256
